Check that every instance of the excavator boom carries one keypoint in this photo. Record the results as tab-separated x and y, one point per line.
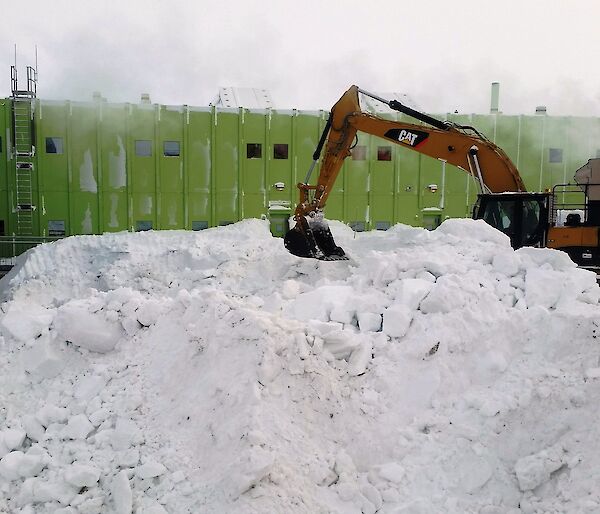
460	146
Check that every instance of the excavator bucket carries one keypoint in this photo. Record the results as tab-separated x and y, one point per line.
313	239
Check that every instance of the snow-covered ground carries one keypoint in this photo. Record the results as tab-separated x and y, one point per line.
213	372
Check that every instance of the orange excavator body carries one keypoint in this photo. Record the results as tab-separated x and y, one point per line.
503	201
460	146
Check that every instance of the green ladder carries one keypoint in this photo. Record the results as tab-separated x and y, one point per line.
23	105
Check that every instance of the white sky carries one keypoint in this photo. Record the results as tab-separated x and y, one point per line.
442	53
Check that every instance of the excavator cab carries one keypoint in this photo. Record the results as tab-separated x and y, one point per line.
521	216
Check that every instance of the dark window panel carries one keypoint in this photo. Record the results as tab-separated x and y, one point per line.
199	225
280	151
171	148
56	228
143	148
54	145
143	225
254	151
555	155
357	226
384	153
359	153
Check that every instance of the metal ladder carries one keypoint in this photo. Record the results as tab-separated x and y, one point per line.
23	105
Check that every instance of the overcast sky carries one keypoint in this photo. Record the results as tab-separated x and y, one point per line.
442	53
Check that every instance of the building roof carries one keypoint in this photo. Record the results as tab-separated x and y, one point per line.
249	97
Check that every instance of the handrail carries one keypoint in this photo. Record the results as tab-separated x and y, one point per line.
14	245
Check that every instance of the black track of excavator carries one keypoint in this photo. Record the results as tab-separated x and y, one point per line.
314	242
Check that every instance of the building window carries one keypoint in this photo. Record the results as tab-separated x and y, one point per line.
359	153
555	155
56	228
54	145
254	151
357	226
143	225
382	225
384	153
280	151
199	225
0	144
143	148
171	148
2	232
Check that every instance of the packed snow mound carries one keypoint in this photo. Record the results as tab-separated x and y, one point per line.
214	372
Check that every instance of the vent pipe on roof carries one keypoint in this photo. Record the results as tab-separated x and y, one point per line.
495	103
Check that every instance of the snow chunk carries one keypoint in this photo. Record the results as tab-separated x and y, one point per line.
369	321
319	303
76	324
411	292
88	387
42	360
542	287
507	263
341	343
448	294
81	475
463	229
12	438
17	464
25	320
360	358
473	471
392	471
34	429
52	414
396	320
150	506
149	312
537	257
122	496
250	469
78	427
150	469
535	469
124	433
40	490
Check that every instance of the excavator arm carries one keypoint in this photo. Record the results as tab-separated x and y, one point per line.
461	146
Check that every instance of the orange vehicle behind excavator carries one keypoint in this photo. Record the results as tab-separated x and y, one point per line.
529	219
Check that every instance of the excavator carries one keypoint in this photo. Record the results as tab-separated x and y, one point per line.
528	218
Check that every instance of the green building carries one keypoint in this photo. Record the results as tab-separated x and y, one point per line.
92	167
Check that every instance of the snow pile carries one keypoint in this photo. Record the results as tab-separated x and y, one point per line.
214	372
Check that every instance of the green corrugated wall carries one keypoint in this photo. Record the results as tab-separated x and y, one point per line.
205	167
5	199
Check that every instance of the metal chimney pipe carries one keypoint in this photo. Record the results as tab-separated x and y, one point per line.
495	98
